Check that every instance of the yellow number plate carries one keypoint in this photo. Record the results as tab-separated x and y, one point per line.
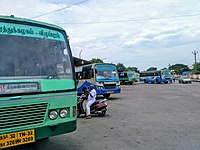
17	138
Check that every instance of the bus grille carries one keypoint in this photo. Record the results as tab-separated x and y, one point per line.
18	116
110	86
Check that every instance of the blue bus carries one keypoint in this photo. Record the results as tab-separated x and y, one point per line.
103	76
158	76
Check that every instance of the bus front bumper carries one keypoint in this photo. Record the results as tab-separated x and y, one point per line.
108	91
47	131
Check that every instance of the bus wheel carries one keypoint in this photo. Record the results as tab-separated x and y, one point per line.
130	83
145	81
106	95
158	81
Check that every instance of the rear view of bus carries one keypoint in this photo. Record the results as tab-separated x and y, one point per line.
37	82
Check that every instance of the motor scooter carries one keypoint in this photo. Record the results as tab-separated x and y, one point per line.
98	107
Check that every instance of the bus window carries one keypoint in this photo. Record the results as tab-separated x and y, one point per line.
87	72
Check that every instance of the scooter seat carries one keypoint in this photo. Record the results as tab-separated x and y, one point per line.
98	106
96	102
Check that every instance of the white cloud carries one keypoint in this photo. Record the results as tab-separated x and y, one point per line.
141	42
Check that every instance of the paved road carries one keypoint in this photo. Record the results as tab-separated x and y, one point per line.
142	117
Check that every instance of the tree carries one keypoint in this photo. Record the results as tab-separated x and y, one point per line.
164	68
132	69
120	67
179	68
196	69
96	60
152	69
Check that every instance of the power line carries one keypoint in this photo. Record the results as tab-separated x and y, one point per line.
133	20
59	9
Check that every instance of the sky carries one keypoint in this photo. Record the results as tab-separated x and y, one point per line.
136	33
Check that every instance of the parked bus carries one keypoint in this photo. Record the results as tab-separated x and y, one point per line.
37	82
166	74
159	76
103	76
127	77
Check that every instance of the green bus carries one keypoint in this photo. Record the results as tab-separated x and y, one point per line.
37	82
127	77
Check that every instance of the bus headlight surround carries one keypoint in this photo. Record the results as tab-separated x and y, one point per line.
63	113
53	114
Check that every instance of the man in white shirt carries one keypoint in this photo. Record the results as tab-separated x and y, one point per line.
91	99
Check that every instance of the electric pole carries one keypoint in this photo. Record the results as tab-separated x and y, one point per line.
195	56
80	53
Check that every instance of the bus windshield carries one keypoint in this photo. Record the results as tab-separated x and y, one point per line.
106	71
166	73
25	57
130	74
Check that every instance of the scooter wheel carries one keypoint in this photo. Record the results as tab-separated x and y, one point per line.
103	113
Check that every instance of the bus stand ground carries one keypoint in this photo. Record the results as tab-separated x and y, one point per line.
142	117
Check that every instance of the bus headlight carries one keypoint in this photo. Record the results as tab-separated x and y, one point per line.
100	87
63	113
53	114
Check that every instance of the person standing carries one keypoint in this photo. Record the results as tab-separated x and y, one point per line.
91	99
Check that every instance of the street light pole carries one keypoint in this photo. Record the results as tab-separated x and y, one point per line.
103	59
80	53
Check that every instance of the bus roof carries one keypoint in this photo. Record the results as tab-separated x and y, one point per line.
12	18
126	71
80	62
94	64
104	64
150	71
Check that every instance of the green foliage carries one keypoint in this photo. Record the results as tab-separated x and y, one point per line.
196	69
164	68
179	68
135	69
152	69
96	60
120	67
